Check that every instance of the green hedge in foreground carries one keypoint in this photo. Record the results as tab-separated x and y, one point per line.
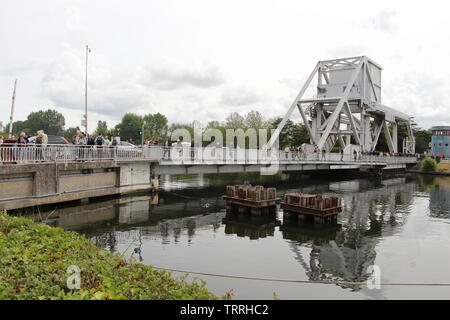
34	259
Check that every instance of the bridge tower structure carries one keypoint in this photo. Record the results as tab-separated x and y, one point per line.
346	104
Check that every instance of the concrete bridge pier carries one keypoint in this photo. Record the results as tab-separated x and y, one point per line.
28	185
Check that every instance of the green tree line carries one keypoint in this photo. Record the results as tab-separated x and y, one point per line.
156	127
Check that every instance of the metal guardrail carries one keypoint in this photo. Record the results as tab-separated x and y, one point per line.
173	155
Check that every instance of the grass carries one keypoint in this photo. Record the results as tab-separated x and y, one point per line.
34	259
443	166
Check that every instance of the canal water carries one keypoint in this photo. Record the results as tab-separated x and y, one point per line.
401	225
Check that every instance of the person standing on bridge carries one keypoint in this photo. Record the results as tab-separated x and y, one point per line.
114	142
317	151
76	141
167	146
99	141
180	148
90	144
22	142
82	142
41	142
106	141
192	149
76	138
323	154
342	154
1	142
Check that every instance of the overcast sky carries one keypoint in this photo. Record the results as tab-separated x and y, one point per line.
201	60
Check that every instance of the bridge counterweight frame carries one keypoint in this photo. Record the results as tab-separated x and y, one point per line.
355	84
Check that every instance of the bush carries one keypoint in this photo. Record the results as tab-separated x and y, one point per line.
428	164
34	259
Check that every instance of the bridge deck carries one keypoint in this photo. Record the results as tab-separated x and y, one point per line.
14	155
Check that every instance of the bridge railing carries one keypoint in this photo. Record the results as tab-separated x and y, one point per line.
174	154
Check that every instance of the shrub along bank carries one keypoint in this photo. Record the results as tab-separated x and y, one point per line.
34	259
428	164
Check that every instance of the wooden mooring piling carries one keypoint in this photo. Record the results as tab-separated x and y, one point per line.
256	200
311	206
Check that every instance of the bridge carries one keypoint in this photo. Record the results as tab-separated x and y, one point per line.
345	110
35	175
347	106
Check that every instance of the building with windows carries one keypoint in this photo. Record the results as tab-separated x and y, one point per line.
440	142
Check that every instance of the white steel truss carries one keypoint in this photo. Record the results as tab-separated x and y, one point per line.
347	104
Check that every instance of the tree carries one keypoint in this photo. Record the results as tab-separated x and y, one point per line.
300	134
102	128
51	121
114	132
18	127
175	126
234	121
254	119
218	126
292	135
423	139
213	125
130	127
155	126
70	132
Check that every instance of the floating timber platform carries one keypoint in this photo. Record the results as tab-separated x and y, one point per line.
302	205
256	199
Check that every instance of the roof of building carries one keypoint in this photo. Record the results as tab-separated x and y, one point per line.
440	128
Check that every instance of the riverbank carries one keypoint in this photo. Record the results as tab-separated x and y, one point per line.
35	259
434	173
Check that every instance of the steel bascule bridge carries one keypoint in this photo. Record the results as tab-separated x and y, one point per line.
347	104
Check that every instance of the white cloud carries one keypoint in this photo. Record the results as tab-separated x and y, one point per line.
348	50
73	22
166	74
16	69
384	21
241	95
189	61
423	95
110	91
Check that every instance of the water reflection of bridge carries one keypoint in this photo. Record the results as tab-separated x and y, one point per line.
371	209
127	219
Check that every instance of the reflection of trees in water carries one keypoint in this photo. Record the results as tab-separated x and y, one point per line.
346	254
117	221
439	195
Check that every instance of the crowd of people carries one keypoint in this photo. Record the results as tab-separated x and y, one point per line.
22	142
100	148
302	151
83	139
23	152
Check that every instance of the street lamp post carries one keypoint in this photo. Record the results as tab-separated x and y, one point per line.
85	91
